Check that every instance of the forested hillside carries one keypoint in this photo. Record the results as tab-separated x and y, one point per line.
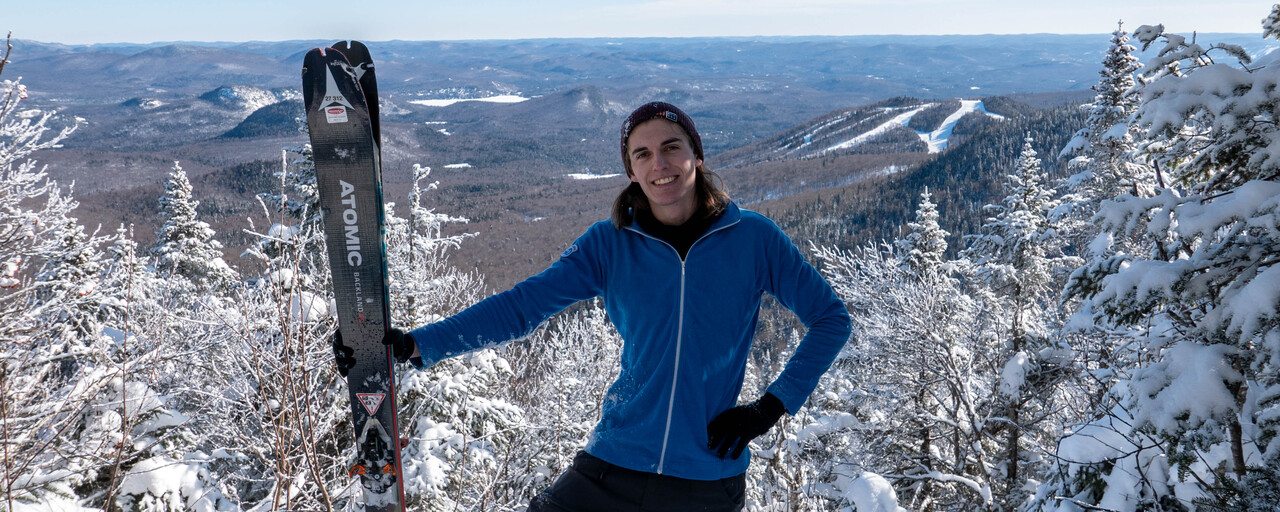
962	180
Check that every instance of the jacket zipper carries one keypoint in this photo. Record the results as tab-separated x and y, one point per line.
675	371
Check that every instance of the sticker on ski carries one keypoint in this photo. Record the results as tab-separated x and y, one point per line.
335	114
371	401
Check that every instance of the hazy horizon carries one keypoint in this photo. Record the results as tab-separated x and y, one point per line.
80	22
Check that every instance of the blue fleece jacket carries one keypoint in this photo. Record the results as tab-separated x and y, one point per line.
686	328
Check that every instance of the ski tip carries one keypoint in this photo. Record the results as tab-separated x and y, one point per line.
327	53
322	51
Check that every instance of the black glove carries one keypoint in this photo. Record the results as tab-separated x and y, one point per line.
343	355
736	427
401	344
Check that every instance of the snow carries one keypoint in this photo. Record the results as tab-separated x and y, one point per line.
1014	375
282	232
898	120
588	176
458	166
1189	386
826	425
808	137
1252	307
164	483
53	503
937	139
504	98
870	493
309	307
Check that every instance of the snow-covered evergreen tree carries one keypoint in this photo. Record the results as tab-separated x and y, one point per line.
70	282
1103	163
907	398
1019	256
1206	289
923	251
185	246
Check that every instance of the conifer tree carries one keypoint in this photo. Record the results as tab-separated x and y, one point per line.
1018	256
1105	166
923	250
184	244
1102	150
70	282
1205	291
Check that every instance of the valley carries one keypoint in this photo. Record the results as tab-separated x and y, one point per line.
787	122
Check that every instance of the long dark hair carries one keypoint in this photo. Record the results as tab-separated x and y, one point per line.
712	198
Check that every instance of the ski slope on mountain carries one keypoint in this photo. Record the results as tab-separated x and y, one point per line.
898	120
936	139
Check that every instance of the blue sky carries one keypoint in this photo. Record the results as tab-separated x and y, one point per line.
144	21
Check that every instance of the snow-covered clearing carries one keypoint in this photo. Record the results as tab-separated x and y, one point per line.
588	176
937	139
898	120
505	98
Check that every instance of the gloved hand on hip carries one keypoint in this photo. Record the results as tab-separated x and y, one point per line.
735	428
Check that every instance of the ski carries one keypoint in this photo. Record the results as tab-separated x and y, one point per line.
348	177
357	55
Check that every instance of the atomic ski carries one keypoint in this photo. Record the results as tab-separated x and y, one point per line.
348	176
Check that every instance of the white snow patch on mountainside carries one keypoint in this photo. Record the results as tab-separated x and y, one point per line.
505	98
243	97
586	176
937	139
458	166
898	120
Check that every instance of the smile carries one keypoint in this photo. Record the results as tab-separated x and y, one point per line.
664	181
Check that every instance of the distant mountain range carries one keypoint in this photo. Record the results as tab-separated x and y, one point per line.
780	115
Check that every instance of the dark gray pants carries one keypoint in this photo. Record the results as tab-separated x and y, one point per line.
591	484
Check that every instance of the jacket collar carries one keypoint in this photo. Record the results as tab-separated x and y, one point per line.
730	217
